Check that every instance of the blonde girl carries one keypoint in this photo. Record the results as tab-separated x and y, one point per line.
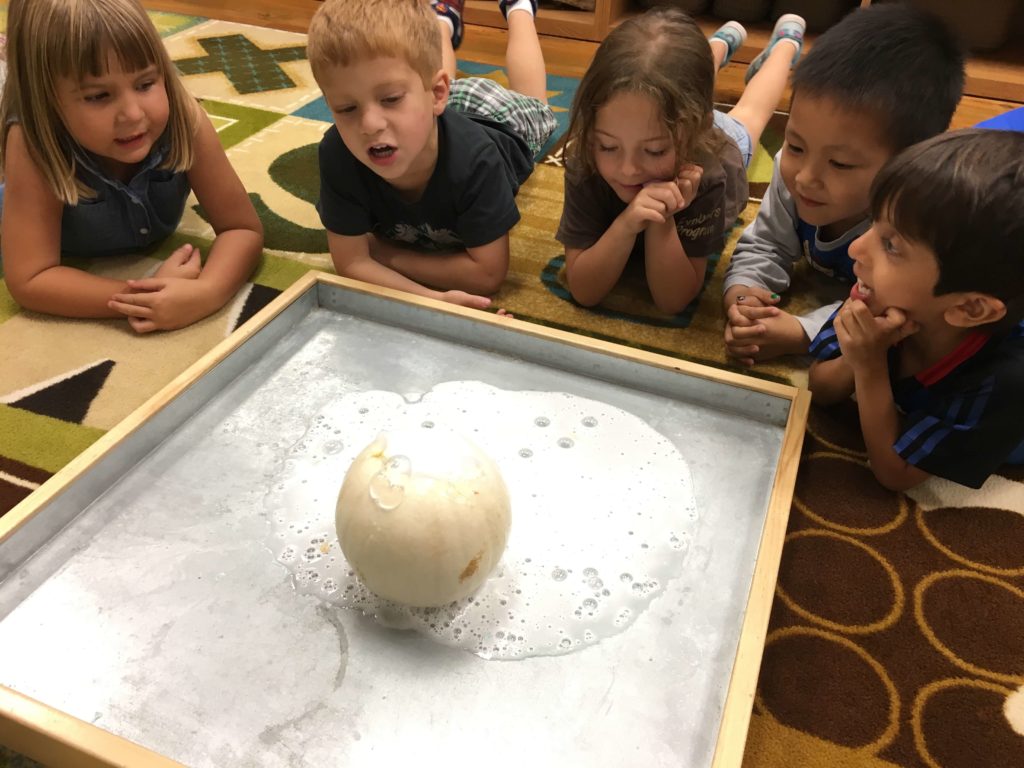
99	147
655	176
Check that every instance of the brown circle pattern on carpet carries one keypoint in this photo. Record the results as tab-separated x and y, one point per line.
980	537
947	603
839	492
880	617
828	686
837	429
859	594
984	738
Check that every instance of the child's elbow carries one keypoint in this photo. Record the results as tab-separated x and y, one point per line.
898	481
22	294
583	298
581	293
491	283
673	305
823	395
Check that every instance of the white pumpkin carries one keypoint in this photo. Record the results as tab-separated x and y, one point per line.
423	516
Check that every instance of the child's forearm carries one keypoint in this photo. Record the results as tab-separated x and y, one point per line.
594	271
880	423
457	270
673	278
230	262
371	271
830	381
67	292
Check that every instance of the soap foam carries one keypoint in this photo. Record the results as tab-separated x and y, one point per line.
602	515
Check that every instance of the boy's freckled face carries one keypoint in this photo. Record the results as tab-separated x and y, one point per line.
386	117
829	160
895	272
631	145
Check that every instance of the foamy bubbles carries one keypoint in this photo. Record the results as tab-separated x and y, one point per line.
602	514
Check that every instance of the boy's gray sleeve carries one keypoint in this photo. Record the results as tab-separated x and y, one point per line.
769	248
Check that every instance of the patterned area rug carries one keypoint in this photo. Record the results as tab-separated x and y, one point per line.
897	636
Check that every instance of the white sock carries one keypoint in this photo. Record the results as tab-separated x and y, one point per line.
446	20
520	5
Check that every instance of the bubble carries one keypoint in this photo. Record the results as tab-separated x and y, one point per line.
589	573
565	442
387	487
589	604
332	447
427	424
525	453
413	397
542	421
589	421
559	574
565	642
625	578
363	410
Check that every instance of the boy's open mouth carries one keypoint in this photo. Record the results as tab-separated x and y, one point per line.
860	291
382	151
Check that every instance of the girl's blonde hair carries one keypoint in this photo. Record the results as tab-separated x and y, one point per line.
48	40
344	32
661	54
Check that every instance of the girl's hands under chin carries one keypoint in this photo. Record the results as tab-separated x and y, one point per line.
688	181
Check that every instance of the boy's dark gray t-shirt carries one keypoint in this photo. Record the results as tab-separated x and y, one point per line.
468	202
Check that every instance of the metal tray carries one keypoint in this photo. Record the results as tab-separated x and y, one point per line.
144	621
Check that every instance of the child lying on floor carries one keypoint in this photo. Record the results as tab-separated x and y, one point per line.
883	78
100	144
655	175
931	340
419	173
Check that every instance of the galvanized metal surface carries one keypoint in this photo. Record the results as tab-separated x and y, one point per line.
160	614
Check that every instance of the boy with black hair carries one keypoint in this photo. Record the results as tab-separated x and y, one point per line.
419	173
931	340
883	78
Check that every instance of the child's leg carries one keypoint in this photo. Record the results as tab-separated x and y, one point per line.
449	16
725	41
447	52
524	60
768	75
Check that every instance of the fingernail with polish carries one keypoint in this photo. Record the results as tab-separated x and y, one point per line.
775	295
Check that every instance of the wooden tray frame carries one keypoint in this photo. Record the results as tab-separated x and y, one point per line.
56	738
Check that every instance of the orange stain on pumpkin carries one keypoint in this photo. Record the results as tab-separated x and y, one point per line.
471	567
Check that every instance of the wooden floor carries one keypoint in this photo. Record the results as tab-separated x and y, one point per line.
1002	74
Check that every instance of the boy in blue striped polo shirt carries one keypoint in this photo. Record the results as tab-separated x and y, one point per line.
931	340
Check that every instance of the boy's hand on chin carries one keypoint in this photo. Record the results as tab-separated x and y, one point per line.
865	338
